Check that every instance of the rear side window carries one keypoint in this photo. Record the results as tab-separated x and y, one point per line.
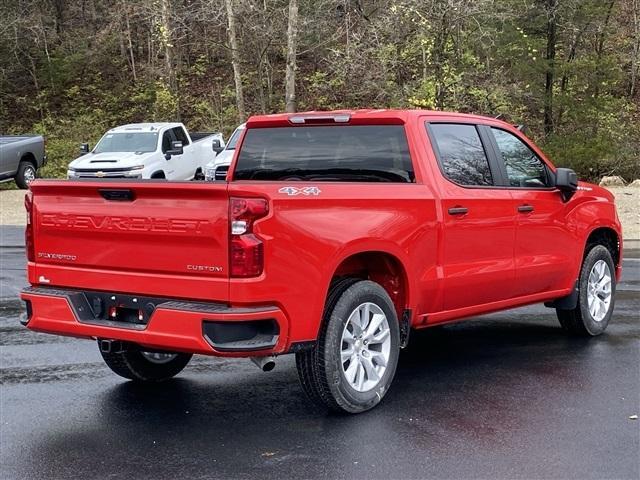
371	153
524	167
461	154
180	135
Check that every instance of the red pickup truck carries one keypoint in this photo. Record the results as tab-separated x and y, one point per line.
334	235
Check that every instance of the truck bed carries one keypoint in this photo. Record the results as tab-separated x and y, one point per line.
5	140
197	136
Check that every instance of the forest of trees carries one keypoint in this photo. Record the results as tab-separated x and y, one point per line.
568	69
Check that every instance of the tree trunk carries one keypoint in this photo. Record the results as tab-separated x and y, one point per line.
564	82
635	59
235	60
130	43
439	50
290	77
600	75
167	44
552	6
59	7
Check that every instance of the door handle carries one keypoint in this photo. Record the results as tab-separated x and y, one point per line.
458	211
525	208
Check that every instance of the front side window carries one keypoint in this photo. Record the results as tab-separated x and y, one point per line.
127	142
524	167
231	144
167	138
461	154
345	153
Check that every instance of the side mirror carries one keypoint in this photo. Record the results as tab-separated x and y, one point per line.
84	148
566	182
176	149
216	146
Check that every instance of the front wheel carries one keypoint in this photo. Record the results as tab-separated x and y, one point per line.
131	362
353	363
596	292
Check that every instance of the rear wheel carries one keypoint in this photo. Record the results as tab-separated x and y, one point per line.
354	360
596	291
131	362
25	175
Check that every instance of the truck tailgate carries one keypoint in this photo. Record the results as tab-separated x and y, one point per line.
160	238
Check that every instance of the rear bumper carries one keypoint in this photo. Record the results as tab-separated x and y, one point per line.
173	325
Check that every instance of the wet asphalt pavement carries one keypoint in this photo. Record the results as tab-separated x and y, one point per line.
507	396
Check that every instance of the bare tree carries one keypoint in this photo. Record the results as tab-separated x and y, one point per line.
290	77
551	11
635	60
132	60
235	60
166	35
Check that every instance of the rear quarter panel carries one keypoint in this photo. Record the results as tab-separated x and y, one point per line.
11	153
307	237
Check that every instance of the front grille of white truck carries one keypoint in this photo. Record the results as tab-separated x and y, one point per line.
221	172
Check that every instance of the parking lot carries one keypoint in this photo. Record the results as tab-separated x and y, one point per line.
506	395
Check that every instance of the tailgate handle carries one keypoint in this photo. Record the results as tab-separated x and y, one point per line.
123	195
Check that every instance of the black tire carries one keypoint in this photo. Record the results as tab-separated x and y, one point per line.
198	175
320	369
25	174
579	320
129	362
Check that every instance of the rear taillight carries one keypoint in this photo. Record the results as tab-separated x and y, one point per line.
246	250
28	231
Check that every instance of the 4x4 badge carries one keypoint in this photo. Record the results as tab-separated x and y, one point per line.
293	191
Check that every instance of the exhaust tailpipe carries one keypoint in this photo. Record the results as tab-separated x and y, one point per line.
111	346
266	364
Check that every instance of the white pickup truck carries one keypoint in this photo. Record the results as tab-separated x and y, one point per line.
147	150
217	168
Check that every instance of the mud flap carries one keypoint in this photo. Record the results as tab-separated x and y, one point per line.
405	328
566	303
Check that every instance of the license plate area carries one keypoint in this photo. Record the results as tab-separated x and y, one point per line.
115	309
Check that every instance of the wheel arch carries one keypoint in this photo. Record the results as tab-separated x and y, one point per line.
381	266
609	238
30	158
158	174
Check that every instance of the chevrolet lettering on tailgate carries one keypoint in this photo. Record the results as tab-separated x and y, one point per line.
132	224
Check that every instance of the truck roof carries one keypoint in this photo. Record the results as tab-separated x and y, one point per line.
360	117
145	127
